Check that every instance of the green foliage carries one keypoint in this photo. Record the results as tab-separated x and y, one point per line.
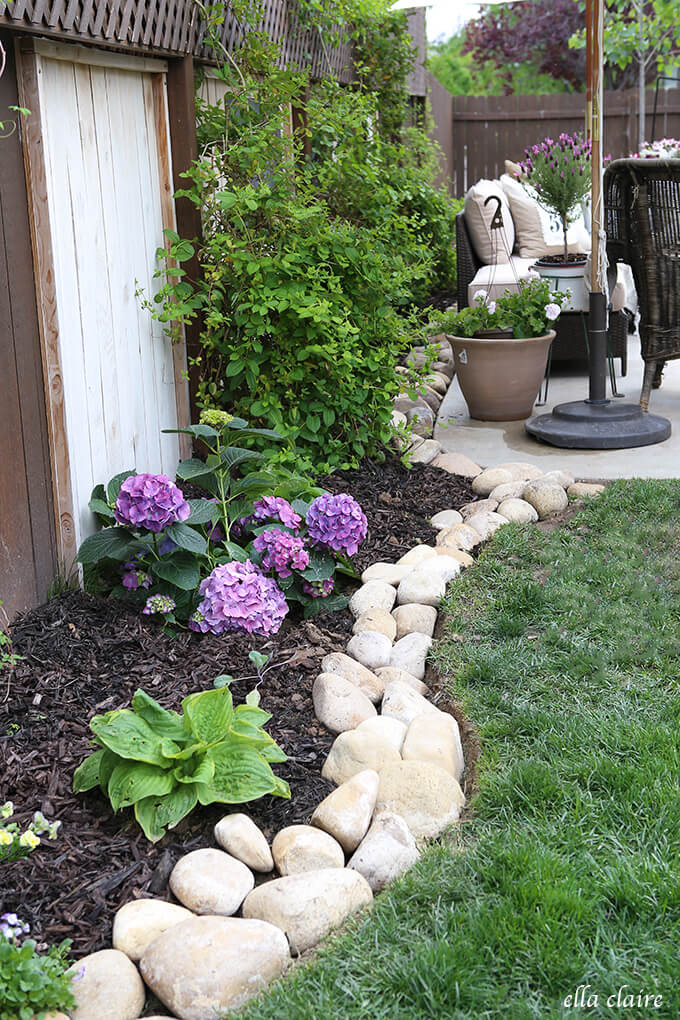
8	657
638	32
526	312
14	843
163	763
464	75
32	983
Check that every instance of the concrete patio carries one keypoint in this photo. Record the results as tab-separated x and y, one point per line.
490	443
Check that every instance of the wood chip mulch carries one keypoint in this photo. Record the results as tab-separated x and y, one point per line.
83	655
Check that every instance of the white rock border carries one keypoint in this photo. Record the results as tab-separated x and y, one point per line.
400	771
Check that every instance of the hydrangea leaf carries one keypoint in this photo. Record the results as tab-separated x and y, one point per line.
188	469
230	456
113	488
109	543
180	570
332	604
198	431
235	553
163	722
321	567
127	735
132	781
155	813
209	714
187	538
86	776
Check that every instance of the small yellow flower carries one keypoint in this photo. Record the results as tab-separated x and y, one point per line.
29	839
6	838
7	810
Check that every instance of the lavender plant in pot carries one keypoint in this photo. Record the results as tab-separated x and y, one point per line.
501	347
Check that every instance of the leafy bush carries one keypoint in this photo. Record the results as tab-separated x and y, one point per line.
31	983
163	763
231	560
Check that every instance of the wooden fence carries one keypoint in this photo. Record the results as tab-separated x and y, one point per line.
487	130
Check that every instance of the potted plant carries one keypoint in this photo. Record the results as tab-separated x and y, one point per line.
559	174
501	348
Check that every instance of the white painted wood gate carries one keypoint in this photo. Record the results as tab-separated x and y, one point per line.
98	161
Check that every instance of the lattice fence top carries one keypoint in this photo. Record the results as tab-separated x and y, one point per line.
175	27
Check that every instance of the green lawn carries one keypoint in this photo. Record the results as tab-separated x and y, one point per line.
568	872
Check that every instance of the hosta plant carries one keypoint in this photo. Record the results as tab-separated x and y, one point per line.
163	763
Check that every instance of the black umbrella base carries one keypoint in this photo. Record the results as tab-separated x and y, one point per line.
601	425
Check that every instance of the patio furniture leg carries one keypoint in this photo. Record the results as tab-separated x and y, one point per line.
650	369
548	366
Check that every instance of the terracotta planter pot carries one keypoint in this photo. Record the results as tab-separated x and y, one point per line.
500	379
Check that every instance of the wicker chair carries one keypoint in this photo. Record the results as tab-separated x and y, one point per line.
642	219
570	343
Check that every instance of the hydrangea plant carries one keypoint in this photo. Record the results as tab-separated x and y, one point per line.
231	560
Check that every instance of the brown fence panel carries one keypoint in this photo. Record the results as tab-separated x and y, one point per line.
487	130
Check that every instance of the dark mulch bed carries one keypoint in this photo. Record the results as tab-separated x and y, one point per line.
83	655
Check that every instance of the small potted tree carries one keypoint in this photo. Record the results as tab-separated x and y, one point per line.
500	349
559	174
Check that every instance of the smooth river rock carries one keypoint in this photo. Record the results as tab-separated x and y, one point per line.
521	471
486	482
299	848
210	966
430	449
510	490
446	519
373	595
110	987
370	648
426	796
345	814
139	922
377	620
403	703
386	852
486	523
414	618
417	555
457	464
355	672
239	836
460	536
307	907
390	573
389	673
435	738
423	586
518	510
339	704
387	728
355	751
581	490
211	881
547	498
468	509
410	654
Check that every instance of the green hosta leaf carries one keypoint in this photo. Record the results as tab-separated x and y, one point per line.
251	714
273	753
86	776
109	543
332	604
163	722
203	772
253	698
133	781
186	538
253	735
180	570
126	734
113	488
174	753
106	767
240	775
321	567
155	813
209	714
281	788
187	469
202	511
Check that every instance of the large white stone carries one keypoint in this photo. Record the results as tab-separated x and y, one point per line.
546	498
487	523
139	922
426	796
410	654
355	751
346	813
414	618
445	519
110	988
376	619
510	490
423	586
386	852
468	509
463	558
519	511
430	449
211	881
339	704
355	672
435	738
307	907
561	477
374	595
239	836
486	482
370	648
403	703
389	573
417	555
457	464
300	848
385	727
389	673
460	536
210	966
579	490
521	471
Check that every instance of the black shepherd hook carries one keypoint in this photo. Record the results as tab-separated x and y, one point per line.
497	219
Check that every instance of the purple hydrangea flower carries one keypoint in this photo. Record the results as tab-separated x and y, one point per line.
281	552
237	596
318	589
134	579
275	508
150	503
197	622
337	523
158	604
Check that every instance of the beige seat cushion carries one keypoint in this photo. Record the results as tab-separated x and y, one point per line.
491	246
538	231
495	280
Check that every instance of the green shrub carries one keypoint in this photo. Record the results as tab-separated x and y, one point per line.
32	983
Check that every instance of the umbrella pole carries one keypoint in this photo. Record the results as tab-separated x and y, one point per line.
597	319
